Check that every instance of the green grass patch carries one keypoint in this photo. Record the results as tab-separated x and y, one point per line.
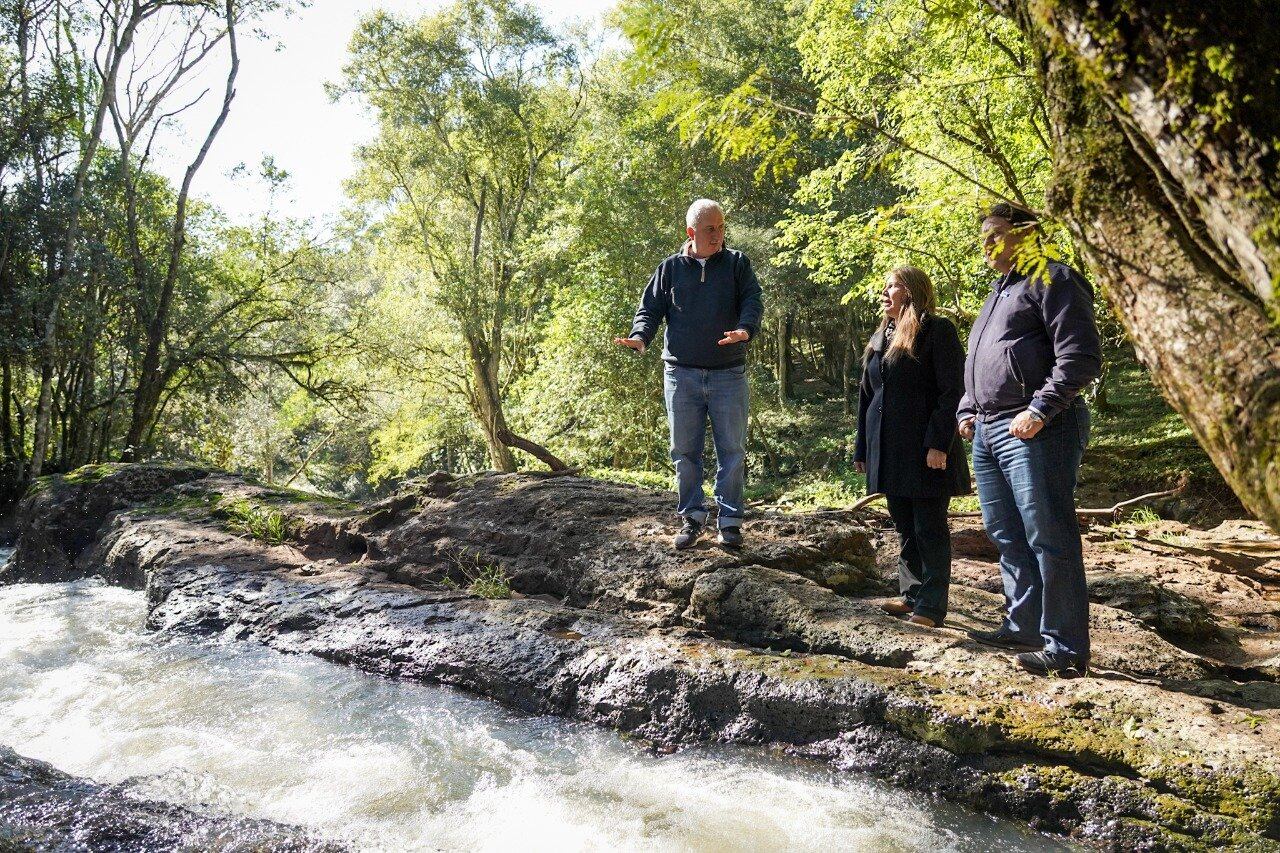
1143	515
264	523
633	477
491	582
173	503
281	495
91	473
479	577
805	491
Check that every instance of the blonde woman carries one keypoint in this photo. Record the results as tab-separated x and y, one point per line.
908	446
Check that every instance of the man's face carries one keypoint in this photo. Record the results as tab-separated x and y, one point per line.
1000	241
708	236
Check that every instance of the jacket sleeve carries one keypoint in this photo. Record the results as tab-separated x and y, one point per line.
1067	308
864	401
750	301
652	310
948	371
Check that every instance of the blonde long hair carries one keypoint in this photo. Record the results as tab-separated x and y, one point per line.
920	301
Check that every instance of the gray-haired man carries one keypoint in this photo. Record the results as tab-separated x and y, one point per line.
711	301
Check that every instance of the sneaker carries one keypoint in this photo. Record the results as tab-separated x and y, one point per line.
1003	640
897	607
688	534
1044	663
730	537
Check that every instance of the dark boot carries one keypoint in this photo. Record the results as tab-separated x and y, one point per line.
730	537
1061	666
1002	640
688	534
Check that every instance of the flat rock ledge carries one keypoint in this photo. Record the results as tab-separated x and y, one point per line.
1172	744
43	809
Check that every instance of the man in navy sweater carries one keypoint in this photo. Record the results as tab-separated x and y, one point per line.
711	301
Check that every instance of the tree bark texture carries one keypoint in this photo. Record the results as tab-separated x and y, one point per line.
785	321
1166	138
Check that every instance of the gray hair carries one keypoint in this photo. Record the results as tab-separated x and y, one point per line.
700	208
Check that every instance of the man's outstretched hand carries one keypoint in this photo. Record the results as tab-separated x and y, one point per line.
631	343
734	337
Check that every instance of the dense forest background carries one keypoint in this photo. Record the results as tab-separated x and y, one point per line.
522	185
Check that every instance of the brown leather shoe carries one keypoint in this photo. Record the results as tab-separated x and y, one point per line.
923	620
897	608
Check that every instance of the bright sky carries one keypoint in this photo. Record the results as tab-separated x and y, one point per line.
281	108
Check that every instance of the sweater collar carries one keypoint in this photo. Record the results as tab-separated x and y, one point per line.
687	251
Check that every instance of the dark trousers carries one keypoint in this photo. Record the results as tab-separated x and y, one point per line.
1027	490
924	562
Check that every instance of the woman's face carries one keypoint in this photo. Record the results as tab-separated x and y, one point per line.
894	298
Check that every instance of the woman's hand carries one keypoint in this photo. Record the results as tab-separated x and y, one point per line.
936	459
860	467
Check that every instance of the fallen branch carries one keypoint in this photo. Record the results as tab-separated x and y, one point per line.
1114	511
1088	512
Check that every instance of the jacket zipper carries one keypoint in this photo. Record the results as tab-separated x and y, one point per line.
1013	368
973	367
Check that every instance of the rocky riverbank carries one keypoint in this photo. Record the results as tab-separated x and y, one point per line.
44	809
560	595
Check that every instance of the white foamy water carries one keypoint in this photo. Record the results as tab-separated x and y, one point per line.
386	765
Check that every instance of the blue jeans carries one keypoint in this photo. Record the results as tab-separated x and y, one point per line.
1027	492
693	395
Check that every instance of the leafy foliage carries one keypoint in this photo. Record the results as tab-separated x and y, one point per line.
519	191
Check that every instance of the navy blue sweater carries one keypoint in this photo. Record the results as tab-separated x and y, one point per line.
700	307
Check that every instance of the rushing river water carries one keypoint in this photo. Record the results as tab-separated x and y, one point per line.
387	765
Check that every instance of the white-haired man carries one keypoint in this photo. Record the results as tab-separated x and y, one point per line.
711	301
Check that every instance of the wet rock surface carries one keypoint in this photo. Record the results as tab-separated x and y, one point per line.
1173	743
43	809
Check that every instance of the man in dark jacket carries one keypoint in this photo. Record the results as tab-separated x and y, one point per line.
1033	348
711	301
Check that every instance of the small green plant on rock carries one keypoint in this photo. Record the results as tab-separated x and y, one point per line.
485	579
491	582
265	523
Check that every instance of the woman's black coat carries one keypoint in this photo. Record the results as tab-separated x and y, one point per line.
907	406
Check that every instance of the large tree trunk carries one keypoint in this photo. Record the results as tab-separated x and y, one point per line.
486	403
786	320
118	49
1166	118
152	376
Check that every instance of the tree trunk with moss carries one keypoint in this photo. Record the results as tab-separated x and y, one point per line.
1166	137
